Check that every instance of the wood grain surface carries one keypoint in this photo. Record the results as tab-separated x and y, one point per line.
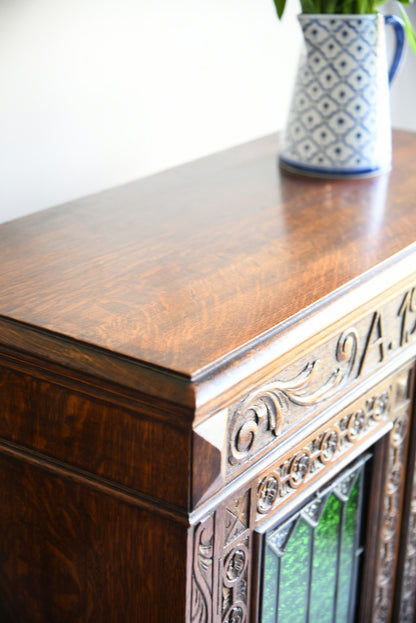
181	269
70	554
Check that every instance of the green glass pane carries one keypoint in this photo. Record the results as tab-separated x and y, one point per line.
270	575
310	563
294	576
324	568
348	553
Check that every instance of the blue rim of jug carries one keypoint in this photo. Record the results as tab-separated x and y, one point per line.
337	173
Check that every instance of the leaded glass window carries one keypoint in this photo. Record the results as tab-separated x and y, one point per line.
311	560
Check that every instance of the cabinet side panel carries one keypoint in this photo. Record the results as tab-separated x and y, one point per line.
85	432
72	554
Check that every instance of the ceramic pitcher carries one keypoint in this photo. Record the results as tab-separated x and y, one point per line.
339	122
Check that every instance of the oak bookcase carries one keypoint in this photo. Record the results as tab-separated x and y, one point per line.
185	361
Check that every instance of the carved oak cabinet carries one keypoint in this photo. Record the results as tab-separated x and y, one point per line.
190	366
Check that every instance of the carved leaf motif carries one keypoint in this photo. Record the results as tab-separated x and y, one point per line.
298	390
259	417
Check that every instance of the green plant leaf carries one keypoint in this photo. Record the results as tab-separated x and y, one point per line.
280	7
351	7
408	28
310	6
332	6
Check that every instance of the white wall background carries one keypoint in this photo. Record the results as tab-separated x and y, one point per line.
94	93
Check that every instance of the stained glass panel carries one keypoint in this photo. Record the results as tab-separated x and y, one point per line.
270	580
294	576
348	546
310	560
325	559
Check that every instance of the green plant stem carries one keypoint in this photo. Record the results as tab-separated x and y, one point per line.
410	33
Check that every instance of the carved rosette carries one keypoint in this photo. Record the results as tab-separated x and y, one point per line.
235	582
202	572
328	445
261	416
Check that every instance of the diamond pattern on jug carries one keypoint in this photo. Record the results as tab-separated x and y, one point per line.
323	135
310	119
314	91
357	138
340	153
342	94
331	48
307	148
344	64
341	123
305	76
301	101
357	107
328	79
360	26
345	34
327	106
358	50
316	33
322	160
358	79
296	132
317	61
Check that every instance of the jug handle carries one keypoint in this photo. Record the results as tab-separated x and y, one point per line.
398	26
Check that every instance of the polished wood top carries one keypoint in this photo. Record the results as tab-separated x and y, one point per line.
181	269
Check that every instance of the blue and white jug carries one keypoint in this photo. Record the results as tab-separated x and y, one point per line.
339	123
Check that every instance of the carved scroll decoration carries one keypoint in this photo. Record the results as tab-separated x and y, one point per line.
259	417
328	445
202	575
270	410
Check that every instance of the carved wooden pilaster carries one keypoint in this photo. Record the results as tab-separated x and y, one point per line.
385	566
236	560
406	598
203	571
408	589
382	572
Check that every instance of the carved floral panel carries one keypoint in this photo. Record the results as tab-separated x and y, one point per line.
331	442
